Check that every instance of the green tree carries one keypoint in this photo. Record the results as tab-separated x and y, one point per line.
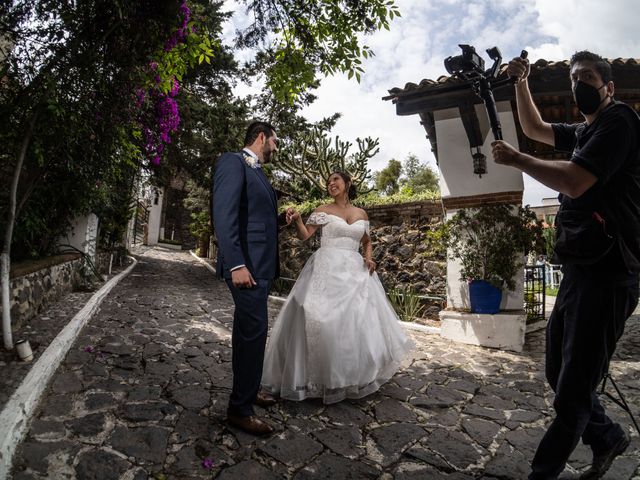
197	201
312	156
70	115
387	180
68	111
319	37
419	177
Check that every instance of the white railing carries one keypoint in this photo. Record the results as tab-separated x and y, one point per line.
553	275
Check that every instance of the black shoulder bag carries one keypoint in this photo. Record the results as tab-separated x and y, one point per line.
582	238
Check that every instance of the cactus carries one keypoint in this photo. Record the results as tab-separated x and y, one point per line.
314	156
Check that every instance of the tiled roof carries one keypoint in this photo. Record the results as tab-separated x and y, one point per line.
537	68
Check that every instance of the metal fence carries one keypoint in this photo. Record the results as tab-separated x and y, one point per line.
534	292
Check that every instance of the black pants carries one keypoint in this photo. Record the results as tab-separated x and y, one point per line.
584	327
248	341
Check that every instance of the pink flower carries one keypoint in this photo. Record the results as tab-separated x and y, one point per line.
207	463
167	116
175	89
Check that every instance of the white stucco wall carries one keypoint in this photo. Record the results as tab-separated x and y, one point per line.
454	154
155	214
83	235
458	180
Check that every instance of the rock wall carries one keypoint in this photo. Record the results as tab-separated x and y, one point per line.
35	284
402	249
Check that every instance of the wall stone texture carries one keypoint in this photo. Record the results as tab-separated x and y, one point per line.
36	284
404	254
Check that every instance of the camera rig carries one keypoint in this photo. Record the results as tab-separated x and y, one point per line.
469	67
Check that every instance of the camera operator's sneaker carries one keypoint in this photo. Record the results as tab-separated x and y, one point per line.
602	462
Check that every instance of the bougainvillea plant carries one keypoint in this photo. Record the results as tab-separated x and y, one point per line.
187	46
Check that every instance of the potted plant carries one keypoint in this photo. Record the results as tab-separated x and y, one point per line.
491	242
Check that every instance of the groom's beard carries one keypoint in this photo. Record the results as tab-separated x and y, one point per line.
266	154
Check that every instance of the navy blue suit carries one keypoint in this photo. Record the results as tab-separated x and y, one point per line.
246	225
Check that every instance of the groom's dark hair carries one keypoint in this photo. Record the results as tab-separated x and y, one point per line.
255	129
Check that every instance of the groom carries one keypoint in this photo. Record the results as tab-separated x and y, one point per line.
246	225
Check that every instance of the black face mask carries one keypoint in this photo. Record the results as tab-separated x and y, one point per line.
587	97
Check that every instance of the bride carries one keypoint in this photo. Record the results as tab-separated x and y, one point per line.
336	335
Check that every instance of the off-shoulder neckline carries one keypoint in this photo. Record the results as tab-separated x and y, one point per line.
344	220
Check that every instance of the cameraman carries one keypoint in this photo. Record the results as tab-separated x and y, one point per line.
596	296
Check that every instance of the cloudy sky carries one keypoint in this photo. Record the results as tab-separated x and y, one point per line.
430	30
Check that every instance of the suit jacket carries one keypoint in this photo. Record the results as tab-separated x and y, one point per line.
245	217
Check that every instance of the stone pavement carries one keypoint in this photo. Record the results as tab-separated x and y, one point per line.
40	331
142	394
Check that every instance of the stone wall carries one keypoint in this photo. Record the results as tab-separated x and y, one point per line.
401	248
37	283
424	211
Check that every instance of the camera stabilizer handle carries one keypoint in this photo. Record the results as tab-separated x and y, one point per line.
469	67
484	89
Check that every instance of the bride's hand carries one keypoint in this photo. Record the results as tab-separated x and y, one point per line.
291	215
371	266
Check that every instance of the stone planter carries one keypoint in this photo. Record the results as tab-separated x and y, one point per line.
504	330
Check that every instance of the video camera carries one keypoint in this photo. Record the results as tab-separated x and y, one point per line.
469	67
468	62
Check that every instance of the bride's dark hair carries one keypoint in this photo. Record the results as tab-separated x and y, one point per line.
351	192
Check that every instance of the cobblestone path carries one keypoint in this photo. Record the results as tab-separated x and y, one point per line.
142	394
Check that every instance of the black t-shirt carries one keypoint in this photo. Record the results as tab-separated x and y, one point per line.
609	148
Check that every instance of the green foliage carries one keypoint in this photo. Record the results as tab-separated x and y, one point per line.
406	303
198	46
197	201
113	203
549	237
200	226
371	199
532	305
436	242
552	292
322	36
312	156
306	207
417	176
74	74
491	242
387	180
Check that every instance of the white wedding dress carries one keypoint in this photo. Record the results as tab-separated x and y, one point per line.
337	336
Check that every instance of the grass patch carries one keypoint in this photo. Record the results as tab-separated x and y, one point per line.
551	292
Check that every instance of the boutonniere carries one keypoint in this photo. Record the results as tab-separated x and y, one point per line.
251	161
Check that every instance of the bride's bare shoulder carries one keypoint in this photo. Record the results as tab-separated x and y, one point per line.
361	214
323	209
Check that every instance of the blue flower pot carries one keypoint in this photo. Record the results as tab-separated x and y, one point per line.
484	297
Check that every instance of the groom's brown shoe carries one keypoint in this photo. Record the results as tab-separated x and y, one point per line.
251	424
263	399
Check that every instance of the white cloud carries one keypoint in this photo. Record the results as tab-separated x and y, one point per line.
609	28
430	30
